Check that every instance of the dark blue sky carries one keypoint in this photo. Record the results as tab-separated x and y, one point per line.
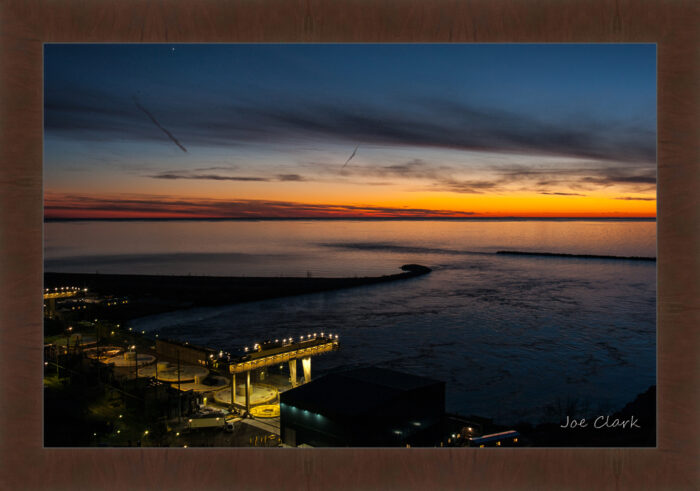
294	110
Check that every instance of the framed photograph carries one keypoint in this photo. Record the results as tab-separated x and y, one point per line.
388	248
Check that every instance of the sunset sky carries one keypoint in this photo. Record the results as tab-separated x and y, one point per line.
171	130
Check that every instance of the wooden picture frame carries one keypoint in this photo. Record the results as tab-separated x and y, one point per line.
27	24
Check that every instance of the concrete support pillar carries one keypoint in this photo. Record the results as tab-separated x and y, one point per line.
247	391
306	363
293	372
233	389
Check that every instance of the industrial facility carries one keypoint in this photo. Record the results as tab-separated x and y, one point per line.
364	407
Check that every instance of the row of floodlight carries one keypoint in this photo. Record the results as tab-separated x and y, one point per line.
65	288
301	338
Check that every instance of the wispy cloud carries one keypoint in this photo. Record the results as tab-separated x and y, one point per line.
563	194
290	177
77	206
194	175
583	174
207	177
351	156
610	180
632	198
155	121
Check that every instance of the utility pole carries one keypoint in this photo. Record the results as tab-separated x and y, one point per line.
156	377
179	392
233	391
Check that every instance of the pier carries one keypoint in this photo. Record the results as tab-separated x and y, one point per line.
276	353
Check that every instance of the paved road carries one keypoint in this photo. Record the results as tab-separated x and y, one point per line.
271	425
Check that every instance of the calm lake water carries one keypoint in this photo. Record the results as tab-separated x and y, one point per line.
509	335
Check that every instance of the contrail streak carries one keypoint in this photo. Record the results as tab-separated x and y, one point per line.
351	156
155	121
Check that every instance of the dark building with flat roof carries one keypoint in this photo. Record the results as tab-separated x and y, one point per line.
365	407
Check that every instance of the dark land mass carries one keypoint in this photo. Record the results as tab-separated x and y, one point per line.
150	294
578	256
632	426
636	427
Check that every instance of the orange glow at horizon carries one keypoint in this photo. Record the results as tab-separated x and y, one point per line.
420	205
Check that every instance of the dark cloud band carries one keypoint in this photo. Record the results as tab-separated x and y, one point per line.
79	205
428	123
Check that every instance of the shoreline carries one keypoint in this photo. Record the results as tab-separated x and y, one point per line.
154	294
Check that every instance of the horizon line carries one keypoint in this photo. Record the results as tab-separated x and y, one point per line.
364	218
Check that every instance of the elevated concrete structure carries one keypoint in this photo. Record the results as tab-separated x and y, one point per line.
278	353
58	293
